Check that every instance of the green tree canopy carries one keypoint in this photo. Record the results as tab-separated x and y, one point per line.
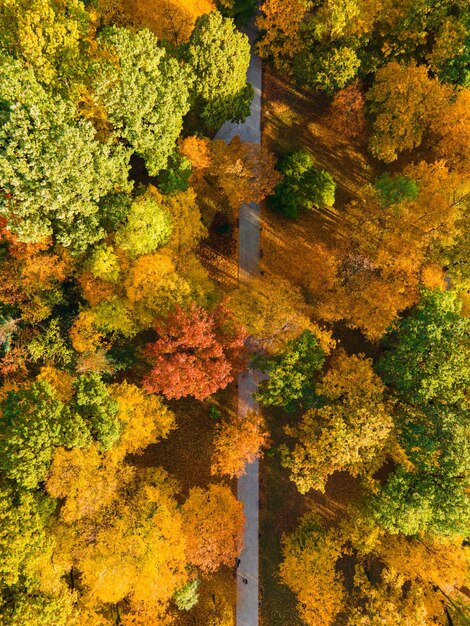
20	606
145	93
54	174
303	187
450	56
33	423
103	263
51	346
147	228
50	36
395	189
432	494
23	538
219	56
291	373
326	68
95	405
427	356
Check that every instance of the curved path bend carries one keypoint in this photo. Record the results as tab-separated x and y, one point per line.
248	263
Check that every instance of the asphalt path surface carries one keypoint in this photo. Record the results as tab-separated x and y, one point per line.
248	261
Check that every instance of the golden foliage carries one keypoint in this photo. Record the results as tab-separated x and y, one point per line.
32	276
87	479
405	100
237	442
153	286
214	522
84	335
453	130
352	431
281	22
197	150
134	548
229	175
397	580
60	381
272	310
172	20
388	250
145	416
187	228
434	561
309	570
245	171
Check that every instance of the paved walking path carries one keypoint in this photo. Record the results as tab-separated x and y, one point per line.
248	261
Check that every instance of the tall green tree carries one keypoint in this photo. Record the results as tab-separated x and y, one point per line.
95	405
291	372
303	187
427	357
219	56
23	537
55	177
50	36
148	227
145	93
326	68
431	492
33	423
20	606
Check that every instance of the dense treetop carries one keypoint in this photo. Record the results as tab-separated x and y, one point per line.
121	325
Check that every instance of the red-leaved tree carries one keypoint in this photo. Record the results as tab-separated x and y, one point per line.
197	352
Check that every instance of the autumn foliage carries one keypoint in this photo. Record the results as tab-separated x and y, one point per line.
214	521
281	21
119	227
347	112
237	442
172	20
233	174
197	352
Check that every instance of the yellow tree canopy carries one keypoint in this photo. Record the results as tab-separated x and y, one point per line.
172	20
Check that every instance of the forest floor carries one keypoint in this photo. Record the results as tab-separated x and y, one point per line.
293	120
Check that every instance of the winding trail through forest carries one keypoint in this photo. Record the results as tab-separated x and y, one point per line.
248	263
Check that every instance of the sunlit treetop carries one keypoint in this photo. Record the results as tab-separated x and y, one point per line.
55	176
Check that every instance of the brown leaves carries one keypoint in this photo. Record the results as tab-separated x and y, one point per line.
233	174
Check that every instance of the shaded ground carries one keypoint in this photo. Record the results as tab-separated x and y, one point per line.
293	120
186	453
